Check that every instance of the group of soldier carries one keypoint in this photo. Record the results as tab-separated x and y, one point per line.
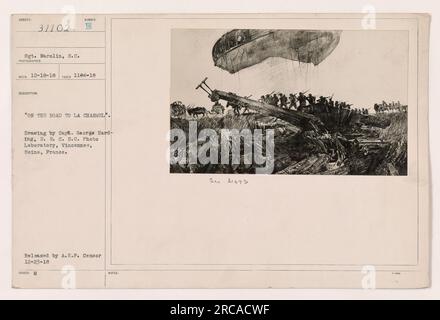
302	102
299	101
390	107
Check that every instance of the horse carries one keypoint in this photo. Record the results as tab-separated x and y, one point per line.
195	112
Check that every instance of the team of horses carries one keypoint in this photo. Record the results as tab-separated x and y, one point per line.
178	109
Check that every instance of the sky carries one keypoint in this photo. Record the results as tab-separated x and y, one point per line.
367	67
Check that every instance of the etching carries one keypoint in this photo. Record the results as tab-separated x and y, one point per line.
318	130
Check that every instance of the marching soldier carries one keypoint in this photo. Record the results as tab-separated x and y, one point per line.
322	100
292	101
268	99
322	103
376	108
275	100
283	101
302	101
311	98
331	103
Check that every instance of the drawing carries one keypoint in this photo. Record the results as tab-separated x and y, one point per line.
335	101
239	49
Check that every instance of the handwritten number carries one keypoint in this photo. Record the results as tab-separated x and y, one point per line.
52	28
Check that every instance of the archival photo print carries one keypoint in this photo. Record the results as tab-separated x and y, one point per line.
292	102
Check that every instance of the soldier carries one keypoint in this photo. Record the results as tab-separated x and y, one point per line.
324	104
267	98
275	100
302	101
376	108
311	98
292	101
283	101
331	103
322	100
